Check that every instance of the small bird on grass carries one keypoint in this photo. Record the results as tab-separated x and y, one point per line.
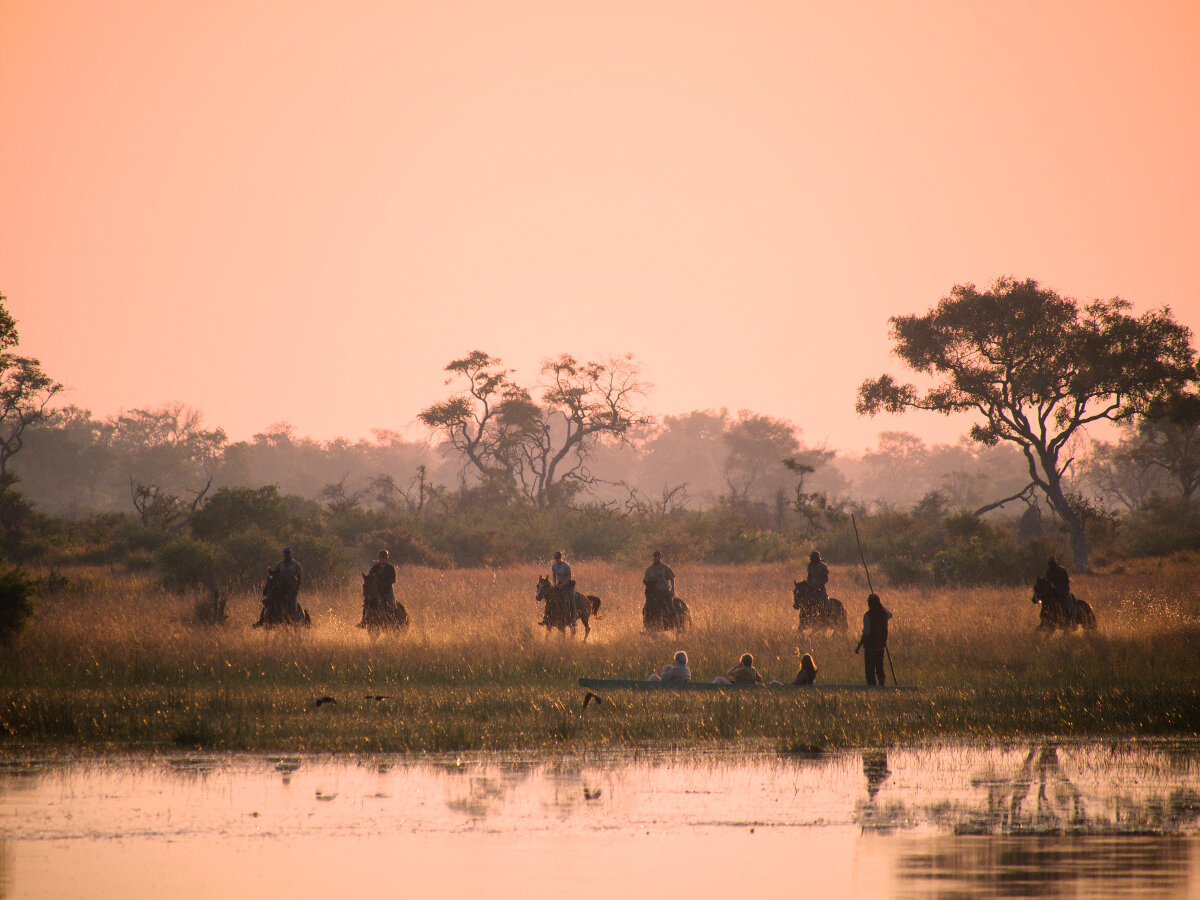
325	699
589	697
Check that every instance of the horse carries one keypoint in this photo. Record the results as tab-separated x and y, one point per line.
664	613
378	614
1055	614
277	605
813	611
566	607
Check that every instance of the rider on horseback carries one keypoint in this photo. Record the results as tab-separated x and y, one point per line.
560	575
660	584
1060	583
818	577
384	575
290	574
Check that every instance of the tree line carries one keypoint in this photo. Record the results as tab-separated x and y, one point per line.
573	460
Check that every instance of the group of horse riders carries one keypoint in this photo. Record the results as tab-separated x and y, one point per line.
659	582
283	589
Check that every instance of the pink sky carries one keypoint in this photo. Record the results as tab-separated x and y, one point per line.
302	211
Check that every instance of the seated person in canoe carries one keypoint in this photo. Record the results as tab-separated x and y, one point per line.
677	671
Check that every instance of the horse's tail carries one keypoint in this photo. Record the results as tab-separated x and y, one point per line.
594	601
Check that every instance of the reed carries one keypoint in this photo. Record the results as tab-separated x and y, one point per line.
113	664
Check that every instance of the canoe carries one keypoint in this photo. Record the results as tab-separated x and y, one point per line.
633	684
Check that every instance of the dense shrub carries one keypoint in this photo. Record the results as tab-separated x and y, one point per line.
16	603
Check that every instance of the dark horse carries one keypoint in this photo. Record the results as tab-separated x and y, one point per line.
813	612
278	607
665	613
566	607
1056	614
378	613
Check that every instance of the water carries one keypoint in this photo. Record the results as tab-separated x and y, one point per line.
1077	820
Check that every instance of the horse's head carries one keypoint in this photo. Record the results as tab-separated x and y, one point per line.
797	594
369	585
544	587
1041	589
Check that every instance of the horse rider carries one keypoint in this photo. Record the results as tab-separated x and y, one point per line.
560	577
818	577
384	574
290	576
874	638
1060	584
660	583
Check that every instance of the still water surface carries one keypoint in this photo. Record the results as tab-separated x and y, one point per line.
1065	820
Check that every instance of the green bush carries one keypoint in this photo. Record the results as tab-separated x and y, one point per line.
16	603
185	563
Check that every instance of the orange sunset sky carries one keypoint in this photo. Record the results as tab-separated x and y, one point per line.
302	211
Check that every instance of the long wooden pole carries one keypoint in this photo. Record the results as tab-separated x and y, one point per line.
863	557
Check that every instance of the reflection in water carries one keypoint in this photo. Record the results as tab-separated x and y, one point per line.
875	768
1046	867
954	820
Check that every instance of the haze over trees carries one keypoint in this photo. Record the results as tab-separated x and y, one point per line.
1036	368
573	460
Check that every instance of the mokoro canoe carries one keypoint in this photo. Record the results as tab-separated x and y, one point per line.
633	684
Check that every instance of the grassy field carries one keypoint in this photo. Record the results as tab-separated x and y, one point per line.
113	665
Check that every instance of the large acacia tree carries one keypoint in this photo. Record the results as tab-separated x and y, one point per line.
1035	367
25	394
543	444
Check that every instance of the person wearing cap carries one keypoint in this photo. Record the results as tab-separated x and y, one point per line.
290	575
560	570
818	577
384	574
560	575
677	671
874	638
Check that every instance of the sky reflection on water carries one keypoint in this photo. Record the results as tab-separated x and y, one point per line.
1047	820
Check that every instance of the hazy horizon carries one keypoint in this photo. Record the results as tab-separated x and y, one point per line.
295	212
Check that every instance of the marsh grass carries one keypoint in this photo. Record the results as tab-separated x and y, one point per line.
114	664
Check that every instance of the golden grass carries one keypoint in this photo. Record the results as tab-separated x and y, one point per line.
114	664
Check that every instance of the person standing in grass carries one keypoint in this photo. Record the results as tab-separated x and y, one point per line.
874	638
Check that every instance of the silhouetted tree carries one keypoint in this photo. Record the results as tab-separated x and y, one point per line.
1036	368
543	446
25	393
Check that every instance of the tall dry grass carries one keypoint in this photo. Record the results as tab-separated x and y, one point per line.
114	664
